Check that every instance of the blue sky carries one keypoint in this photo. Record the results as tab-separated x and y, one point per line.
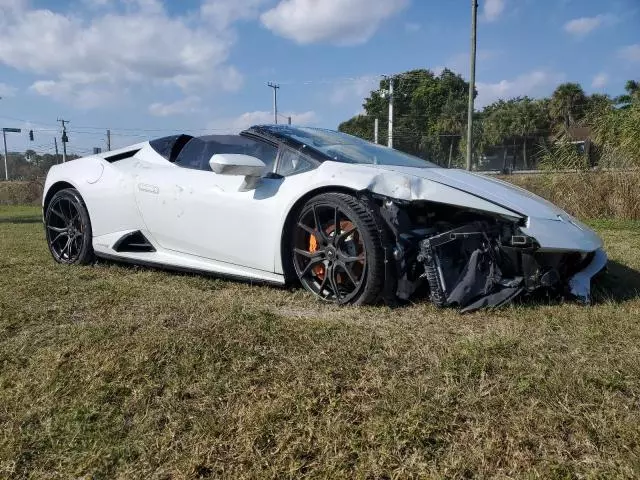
145	68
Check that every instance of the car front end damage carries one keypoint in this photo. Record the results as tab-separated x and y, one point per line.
473	259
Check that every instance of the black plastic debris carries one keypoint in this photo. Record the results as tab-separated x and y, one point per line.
462	267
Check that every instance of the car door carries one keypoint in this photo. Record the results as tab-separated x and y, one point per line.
190	209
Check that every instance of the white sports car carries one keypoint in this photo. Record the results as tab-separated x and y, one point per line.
352	221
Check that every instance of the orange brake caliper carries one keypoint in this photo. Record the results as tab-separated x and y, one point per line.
318	270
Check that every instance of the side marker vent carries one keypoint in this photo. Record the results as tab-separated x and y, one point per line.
133	242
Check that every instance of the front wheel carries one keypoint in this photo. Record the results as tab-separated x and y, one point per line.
337	250
68	228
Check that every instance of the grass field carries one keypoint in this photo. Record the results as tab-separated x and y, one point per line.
117	372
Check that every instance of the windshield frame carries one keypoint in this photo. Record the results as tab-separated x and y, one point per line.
282	133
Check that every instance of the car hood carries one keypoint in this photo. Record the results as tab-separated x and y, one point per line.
496	191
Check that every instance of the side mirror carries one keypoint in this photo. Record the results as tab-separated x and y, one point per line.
237	164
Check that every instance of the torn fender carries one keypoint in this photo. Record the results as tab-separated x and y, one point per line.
412	188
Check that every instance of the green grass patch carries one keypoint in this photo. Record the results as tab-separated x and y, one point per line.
111	371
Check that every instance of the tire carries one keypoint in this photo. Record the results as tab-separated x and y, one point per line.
336	250
68	228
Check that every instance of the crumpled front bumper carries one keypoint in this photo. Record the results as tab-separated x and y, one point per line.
580	283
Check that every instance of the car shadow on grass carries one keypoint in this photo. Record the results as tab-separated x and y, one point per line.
22	219
618	284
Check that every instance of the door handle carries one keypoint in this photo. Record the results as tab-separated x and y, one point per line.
145	187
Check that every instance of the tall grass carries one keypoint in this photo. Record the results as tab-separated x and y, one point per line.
617	132
588	194
614	137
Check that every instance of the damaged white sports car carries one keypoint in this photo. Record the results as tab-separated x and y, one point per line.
352	221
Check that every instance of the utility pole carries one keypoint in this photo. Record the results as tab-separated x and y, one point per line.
6	171
108	140
289	119
390	138
375	130
275	87
65	139
55	143
472	82
4	138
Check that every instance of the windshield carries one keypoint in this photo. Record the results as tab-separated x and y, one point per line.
345	148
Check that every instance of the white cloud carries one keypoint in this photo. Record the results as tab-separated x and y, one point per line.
600	80
342	22
354	90
12	5
630	53
248	119
585	25
82	95
135	43
184	106
492	10
7	90
535	83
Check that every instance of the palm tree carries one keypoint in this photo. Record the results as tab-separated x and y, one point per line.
451	121
567	103
499	125
633	94
527	121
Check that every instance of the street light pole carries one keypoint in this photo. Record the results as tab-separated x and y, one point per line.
4	138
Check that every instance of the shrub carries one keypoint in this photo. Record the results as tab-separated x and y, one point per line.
21	193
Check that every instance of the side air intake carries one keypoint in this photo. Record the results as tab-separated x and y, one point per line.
133	242
121	156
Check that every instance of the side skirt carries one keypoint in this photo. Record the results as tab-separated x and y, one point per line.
198	271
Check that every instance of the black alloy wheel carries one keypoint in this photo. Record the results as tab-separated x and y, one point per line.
337	250
68	228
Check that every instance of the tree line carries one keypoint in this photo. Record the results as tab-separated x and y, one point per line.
30	165
567	129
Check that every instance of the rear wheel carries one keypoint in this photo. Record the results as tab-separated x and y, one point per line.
337	250
68	228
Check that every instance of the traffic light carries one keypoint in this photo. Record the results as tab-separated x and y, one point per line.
31	135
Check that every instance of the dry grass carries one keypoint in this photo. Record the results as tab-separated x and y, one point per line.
118	372
588	194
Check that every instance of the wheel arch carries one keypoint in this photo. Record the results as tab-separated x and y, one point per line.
53	189
287	266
